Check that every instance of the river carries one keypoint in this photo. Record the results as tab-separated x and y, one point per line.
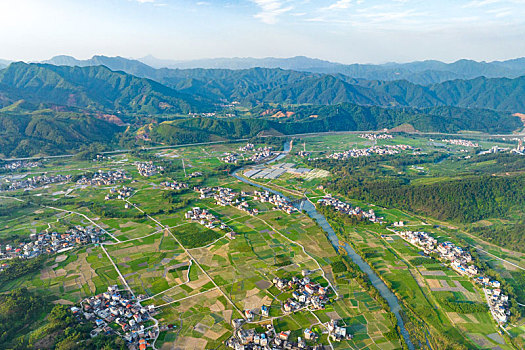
312	212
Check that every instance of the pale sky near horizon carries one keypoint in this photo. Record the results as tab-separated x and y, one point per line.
347	31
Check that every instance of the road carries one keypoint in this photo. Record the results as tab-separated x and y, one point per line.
119	151
188	253
497	257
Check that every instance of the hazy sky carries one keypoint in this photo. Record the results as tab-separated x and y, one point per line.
347	31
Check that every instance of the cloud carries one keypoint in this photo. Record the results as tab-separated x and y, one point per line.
271	10
339	5
145	1
481	3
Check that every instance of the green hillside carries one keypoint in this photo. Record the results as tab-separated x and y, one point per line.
92	88
48	133
342	117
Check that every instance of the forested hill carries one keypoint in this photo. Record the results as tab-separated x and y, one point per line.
175	91
49	132
46	109
341	117
259	85
94	88
419	72
273	85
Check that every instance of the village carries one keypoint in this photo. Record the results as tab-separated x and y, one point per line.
277	200
36	181
306	294
51	243
21	164
148	169
459	142
261	154
119	193
226	196
373	137
101	178
112	312
460	261
174	185
230	158
367	152
346	208
208	220
250	339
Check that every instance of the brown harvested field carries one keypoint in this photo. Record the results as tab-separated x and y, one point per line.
263	284
215	335
217	307
333	315
455	318
186	343
255	302
201	328
433	283
472	318
443	286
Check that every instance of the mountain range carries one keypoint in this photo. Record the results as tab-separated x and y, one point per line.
276	85
419	72
46	108
92	88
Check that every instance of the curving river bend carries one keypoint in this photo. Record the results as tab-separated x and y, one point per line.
312	212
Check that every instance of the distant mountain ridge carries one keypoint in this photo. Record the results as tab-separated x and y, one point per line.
4	63
159	91
419	72
92	88
50	109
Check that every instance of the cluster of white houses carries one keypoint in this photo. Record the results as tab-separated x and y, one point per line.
460	261
248	147
278	201
304	154
21	164
119	193
366	152
147	169
207	219
50	243
230	158
376	136
269	339
459	142
36	181
104	178
174	185
261	154
226	196
306	294
346	208
126	316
